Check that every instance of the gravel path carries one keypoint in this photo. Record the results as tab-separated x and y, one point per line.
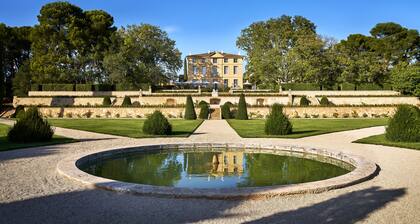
31	191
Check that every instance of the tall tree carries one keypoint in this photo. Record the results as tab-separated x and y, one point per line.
146	55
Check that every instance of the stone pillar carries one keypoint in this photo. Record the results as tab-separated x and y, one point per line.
199	90
290	97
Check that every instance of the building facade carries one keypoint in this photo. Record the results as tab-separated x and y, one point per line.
216	69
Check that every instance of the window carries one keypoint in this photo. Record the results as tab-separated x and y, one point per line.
193	60
235	70
225	60
225	82
214	70
195	70
235	60
203	60
225	70
214	60
203	70
225	160
235	83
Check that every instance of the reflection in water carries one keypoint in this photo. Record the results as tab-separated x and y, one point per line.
212	169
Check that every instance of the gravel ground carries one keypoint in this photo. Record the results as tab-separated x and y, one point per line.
31	191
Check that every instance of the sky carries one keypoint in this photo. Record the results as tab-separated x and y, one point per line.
201	26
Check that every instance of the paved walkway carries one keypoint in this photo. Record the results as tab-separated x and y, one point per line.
31	191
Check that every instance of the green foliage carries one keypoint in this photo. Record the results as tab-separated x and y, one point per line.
304	101
300	86
324	101
22	81
126	102
20	110
242	113
226	113
404	126
189	109
157	124
204	110
406	79
277	123
57	87
103	87
30	127
106	102
83	87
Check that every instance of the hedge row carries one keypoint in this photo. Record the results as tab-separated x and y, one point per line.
86	87
343	86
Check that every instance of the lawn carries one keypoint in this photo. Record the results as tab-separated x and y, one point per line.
6	145
304	127
381	140
125	127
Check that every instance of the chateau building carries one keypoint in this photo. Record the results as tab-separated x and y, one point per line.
217	69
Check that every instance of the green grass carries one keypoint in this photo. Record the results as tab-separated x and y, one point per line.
125	127
381	140
304	127
6	145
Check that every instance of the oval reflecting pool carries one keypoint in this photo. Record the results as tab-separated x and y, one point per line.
215	168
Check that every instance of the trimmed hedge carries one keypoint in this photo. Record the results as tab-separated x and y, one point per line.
226	113
103	87
242	113
58	87
300	86
106	102
277	123
157	124
36	87
304	101
204	110
189	109
84	87
126	102
30	127
404	126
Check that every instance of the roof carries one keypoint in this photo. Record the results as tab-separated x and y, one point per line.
213	53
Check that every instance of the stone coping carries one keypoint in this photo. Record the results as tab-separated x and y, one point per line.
363	170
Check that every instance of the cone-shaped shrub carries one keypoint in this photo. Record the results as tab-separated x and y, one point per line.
106	102
324	101
226	114
189	110
404	126
242	113
277	123
126	102
204	110
304	101
157	124
30	127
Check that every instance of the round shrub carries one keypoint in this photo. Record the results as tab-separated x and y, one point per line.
404	126
30	127
304	101
204	110
324	101
106	102
157	124
277	123
226	114
126	102
242	113
189	110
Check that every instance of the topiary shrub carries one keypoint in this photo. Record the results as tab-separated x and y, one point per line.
30	127
157	124
226	114
404	126
324	101
126	102
242	113
204	110
189	109
106	102
277	123
304	101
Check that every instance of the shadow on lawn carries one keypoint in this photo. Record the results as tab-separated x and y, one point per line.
99	206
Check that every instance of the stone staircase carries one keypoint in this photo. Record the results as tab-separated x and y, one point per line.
215	114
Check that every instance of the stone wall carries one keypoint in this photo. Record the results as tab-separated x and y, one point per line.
177	112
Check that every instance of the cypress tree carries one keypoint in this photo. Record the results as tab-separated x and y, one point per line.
204	110
242	113
126	102
189	109
106	102
226	114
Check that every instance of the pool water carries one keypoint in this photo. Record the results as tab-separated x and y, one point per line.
214	169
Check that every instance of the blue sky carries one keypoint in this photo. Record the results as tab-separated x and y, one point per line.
199	26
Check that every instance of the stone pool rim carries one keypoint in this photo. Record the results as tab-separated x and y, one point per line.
363	170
